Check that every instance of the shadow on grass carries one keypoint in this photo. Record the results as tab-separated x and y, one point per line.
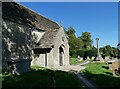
41	79
29	80
105	81
69	80
106	67
109	73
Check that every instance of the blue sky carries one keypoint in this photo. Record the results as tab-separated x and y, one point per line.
99	18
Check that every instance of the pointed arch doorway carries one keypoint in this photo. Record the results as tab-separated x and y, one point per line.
61	56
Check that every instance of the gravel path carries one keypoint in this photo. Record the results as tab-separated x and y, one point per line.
71	67
77	67
87	83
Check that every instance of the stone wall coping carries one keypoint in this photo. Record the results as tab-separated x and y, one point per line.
113	61
18	60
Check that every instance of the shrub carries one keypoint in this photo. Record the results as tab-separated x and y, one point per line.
73	53
91	53
81	53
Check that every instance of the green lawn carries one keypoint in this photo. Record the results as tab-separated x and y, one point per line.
100	73
39	78
75	61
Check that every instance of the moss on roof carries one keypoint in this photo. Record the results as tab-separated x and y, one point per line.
20	14
47	39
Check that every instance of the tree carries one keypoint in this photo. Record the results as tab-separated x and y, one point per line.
78	45
71	31
81	53
115	51
109	51
72	38
87	41
91	53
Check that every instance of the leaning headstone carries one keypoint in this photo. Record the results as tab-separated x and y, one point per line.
93	58
88	58
81	58
114	65
78	57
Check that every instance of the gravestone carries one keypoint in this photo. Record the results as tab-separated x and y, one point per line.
19	66
107	58
93	58
114	65
81	58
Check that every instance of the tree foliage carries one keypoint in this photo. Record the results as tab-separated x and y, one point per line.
82	45
72	38
78	45
109	51
87	41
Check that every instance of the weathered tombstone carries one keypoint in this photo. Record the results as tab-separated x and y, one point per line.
81	59
107	58
88	58
78	57
19	66
110	64
93	58
114	65
115	58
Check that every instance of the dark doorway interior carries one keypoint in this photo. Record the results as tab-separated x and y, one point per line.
46	59
61	52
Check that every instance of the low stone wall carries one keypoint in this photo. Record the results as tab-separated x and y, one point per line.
114	65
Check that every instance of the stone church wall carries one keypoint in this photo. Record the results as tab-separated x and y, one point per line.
17	39
61	40
53	56
39	59
15	42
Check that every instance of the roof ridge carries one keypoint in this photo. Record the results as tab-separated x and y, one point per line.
22	14
37	13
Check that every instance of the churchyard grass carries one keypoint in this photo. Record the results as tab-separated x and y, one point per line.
39	77
100	74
